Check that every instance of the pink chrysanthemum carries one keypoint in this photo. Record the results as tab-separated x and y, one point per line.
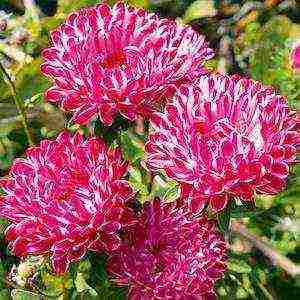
65	198
295	57
226	137
169	256
107	60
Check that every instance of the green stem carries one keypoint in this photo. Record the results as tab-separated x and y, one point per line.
3	145
276	257
19	104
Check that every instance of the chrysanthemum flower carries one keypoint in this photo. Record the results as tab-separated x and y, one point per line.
169	256
295	56
105	61
65	198
225	137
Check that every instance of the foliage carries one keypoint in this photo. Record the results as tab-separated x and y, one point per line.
267	48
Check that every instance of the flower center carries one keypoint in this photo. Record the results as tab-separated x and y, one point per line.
200	126
114	59
219	129
65	195
76	179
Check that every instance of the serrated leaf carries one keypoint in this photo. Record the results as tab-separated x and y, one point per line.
136	180
82	286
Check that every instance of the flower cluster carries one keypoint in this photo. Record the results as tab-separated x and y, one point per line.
65	198
169	256
105	61
224	137
220	137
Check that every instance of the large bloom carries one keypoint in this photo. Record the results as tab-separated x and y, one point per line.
107	60
66	197
169	256
225	137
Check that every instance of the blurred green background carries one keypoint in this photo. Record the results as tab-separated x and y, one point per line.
253	38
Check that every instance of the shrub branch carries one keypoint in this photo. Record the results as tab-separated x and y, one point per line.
19	104
270	252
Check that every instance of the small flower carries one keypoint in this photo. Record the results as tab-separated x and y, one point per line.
225	137
65	198
169	256
105	61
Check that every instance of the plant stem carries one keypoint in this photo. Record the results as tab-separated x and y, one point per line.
275	257
19	104
3	145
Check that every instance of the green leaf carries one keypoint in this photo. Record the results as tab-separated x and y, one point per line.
238	266
166	190
18	294
4	294
241	293
112	132
131	146
136	179
82	286
30	81
54	285
224	219
36	99
199	9
84	266
98	280
171	192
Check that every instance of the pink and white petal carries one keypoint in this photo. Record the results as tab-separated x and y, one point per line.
84	114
